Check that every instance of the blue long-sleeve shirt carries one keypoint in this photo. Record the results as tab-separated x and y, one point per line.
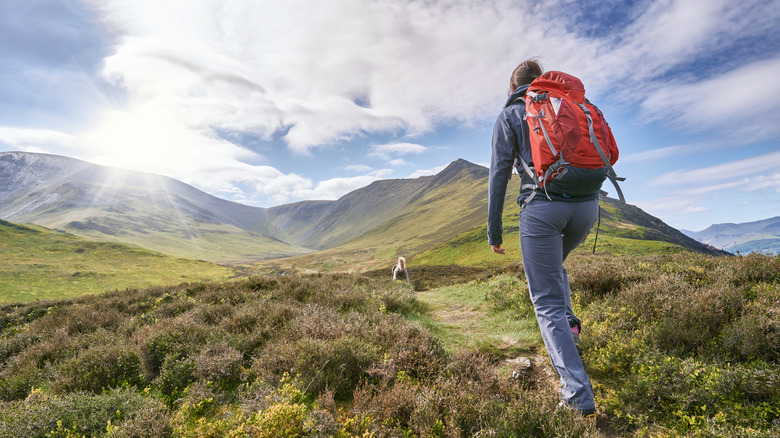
510	137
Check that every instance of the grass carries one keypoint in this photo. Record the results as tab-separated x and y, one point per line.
464	318
471	248
39	264
318	355
676	345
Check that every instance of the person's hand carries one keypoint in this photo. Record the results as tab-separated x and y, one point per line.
497	249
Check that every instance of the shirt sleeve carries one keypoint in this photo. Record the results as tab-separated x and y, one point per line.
501	162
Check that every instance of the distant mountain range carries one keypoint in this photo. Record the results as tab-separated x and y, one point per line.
761	236
385	218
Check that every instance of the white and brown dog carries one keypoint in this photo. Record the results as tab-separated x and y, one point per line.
399	270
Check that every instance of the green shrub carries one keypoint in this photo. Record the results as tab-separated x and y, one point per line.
16	343
338	364
17	381
470	399
756	335
76	319
175	376
97	369
83	414
684	350
220	364
176	338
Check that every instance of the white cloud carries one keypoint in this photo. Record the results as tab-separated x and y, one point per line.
743	100
343	68
683	205
426	172
347	69
387	151
721	172
37	140
358	168
761	182
335	188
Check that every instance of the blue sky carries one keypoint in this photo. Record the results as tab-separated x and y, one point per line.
271	102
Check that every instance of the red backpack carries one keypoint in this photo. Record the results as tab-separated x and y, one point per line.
572	146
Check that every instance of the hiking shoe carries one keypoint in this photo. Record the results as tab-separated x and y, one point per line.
590	420
585	413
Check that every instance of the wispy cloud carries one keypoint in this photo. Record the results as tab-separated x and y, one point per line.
718	173
37	140
426	172
744	100
386	151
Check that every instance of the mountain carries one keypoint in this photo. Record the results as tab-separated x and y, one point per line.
150	211
399	211
379	221
760	236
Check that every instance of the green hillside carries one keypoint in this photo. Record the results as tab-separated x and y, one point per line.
438	229
37	263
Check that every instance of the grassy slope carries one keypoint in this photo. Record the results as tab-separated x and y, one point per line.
435	216
37	263
161	229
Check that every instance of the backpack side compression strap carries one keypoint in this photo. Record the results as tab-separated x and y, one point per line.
610	171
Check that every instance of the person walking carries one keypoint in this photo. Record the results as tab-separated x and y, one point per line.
551	226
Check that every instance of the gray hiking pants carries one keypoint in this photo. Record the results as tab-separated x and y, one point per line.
549	231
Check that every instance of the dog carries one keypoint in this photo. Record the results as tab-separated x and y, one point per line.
399	270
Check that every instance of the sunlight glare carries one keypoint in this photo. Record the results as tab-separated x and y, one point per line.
146	138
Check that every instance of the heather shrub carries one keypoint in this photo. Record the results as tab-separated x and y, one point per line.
595	277
469	399
220	364
322	347
754	268
688	348
79	414
27	369
756	335
689	393
97	369
17	381
15	343
169	306
175	376
13	315
338	364
692	321
76	319
175	338
258	316
212	314
149	420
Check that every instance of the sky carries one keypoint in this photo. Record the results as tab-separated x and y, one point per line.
268	102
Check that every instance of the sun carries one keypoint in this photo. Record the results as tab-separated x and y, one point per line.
146	138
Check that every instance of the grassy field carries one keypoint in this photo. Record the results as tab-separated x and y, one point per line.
37	263
676	345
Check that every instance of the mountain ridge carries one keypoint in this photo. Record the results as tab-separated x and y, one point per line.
758	236
385	218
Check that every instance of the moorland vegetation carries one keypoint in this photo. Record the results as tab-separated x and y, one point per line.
678	344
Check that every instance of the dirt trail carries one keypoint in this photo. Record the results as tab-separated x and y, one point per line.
535	372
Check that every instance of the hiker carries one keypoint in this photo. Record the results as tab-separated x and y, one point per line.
551	226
